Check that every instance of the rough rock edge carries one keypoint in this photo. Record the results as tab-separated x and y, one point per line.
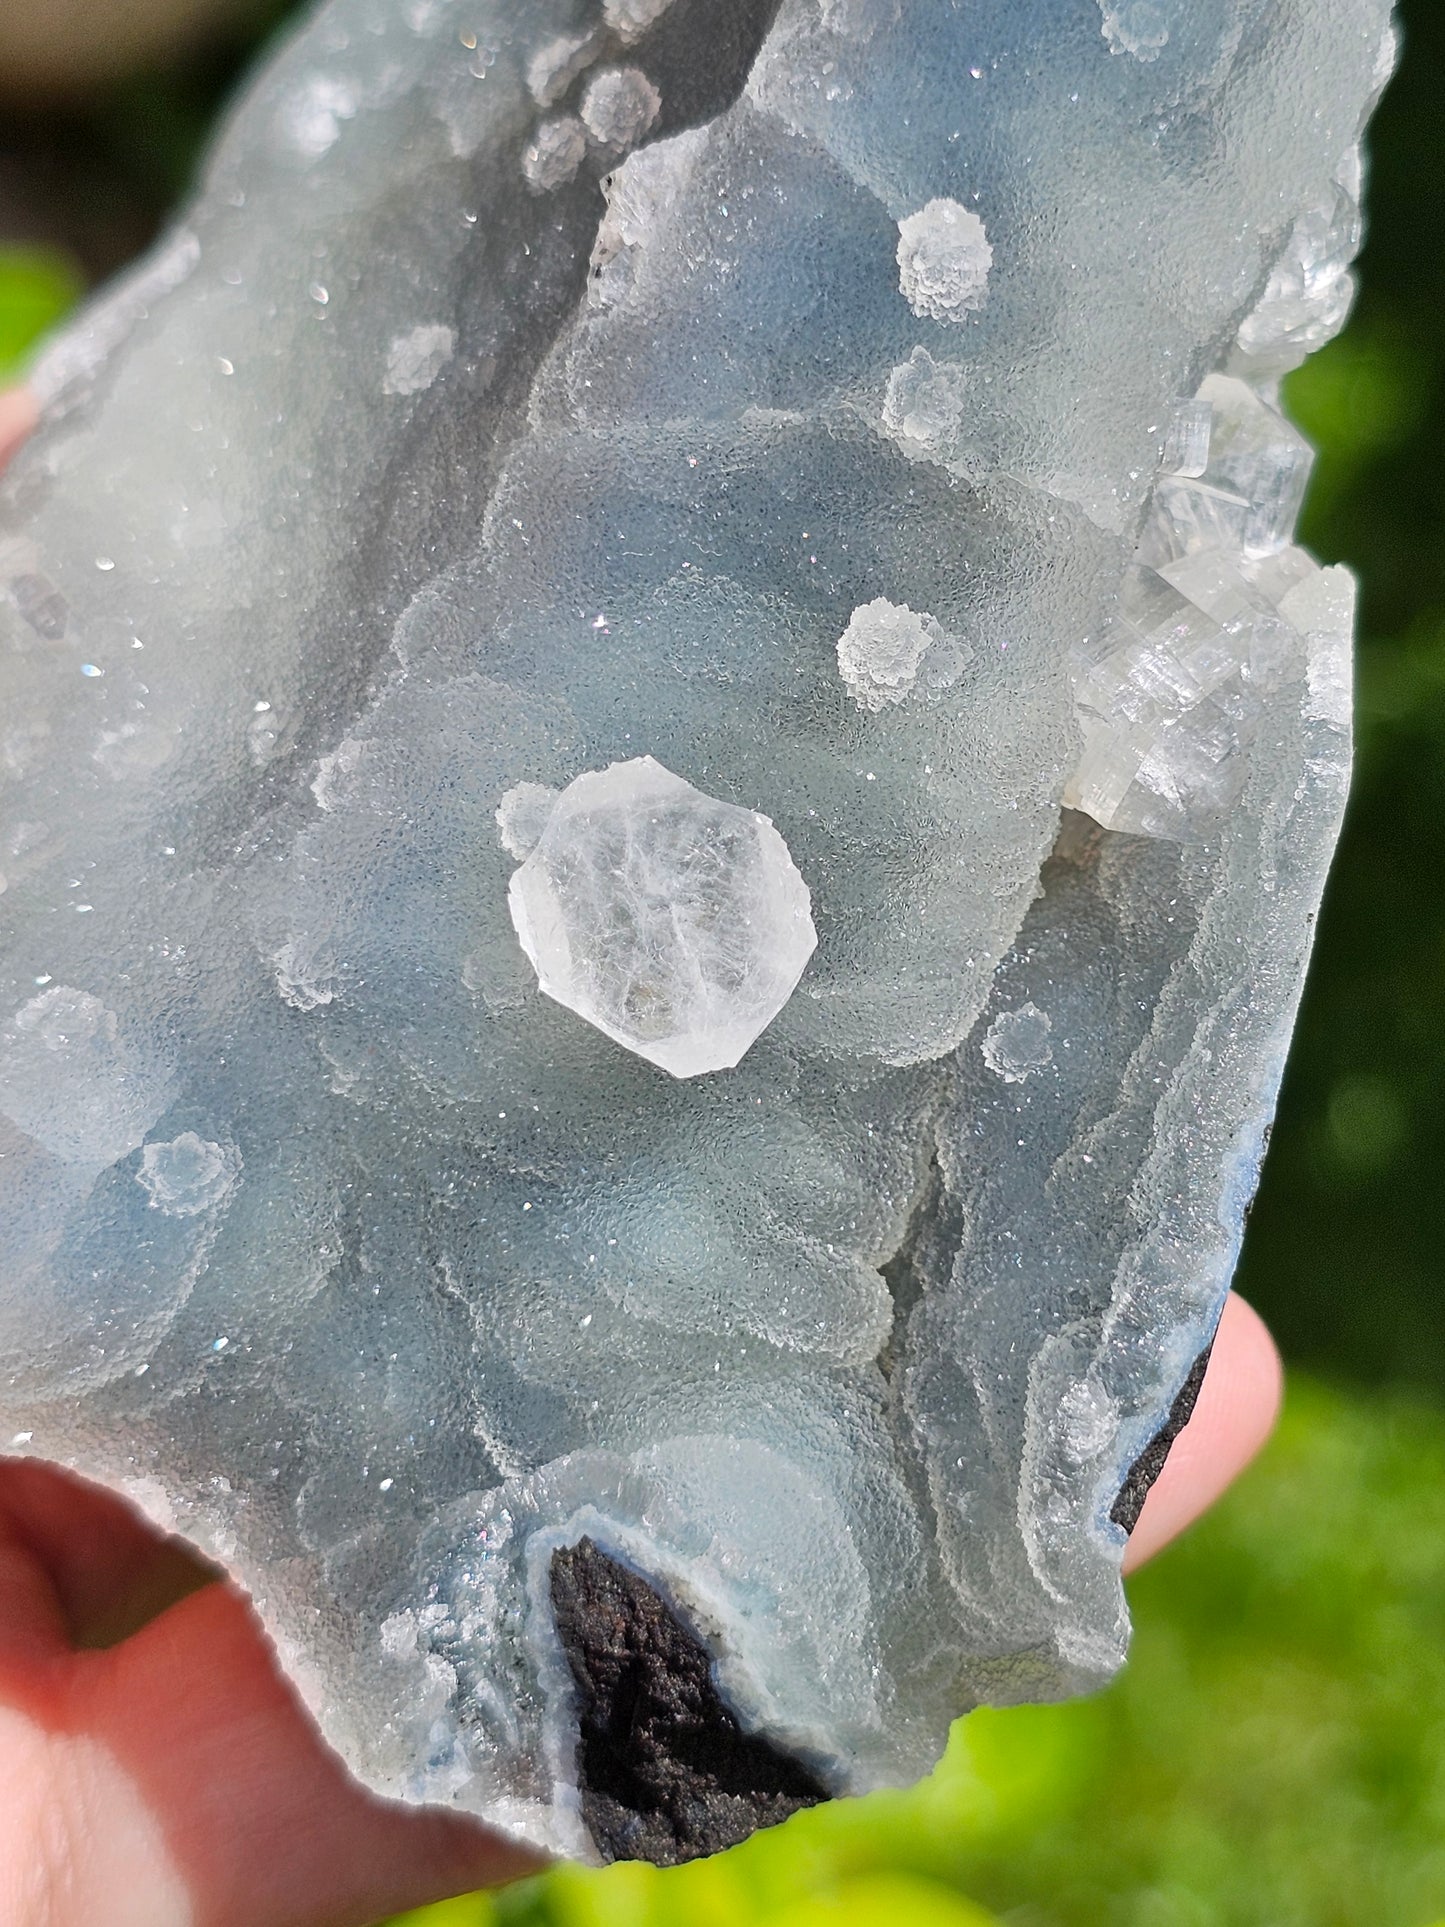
1150	1462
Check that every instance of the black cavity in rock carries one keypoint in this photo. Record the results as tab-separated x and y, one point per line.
695	90
665	1771
1150	1462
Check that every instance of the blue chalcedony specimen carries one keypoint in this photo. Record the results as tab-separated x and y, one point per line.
666	769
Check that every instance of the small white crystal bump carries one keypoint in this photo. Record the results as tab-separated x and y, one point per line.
554	153
944	259
1134	27
554	66
888	648
676	923
632	18
189	1174
619	106
1017	1043
924	406
414	360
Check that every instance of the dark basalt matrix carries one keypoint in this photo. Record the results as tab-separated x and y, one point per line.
664	1771
665	762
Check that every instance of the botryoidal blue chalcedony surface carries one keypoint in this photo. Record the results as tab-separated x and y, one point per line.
666	767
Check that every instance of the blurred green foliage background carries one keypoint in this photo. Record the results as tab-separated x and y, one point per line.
1344	1251
1274	1755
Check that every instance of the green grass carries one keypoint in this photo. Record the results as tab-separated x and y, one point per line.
1272	1756
37	288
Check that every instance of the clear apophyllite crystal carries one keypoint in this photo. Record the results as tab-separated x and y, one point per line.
866	409
676	923
1173	695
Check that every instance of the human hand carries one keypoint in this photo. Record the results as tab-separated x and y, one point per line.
157	1770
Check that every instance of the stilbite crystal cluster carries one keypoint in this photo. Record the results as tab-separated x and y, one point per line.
593	498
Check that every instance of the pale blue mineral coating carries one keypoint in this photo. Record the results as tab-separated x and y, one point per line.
889	449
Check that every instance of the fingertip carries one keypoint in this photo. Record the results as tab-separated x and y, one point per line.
110	1569
1236	1411
19	414
1254	1386
261	1816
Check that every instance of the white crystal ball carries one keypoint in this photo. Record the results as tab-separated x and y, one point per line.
189	1174
888	648
632	18
557	150
1017	1043
944	259
675	922
619	106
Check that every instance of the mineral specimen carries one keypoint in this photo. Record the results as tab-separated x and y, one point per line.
470	545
